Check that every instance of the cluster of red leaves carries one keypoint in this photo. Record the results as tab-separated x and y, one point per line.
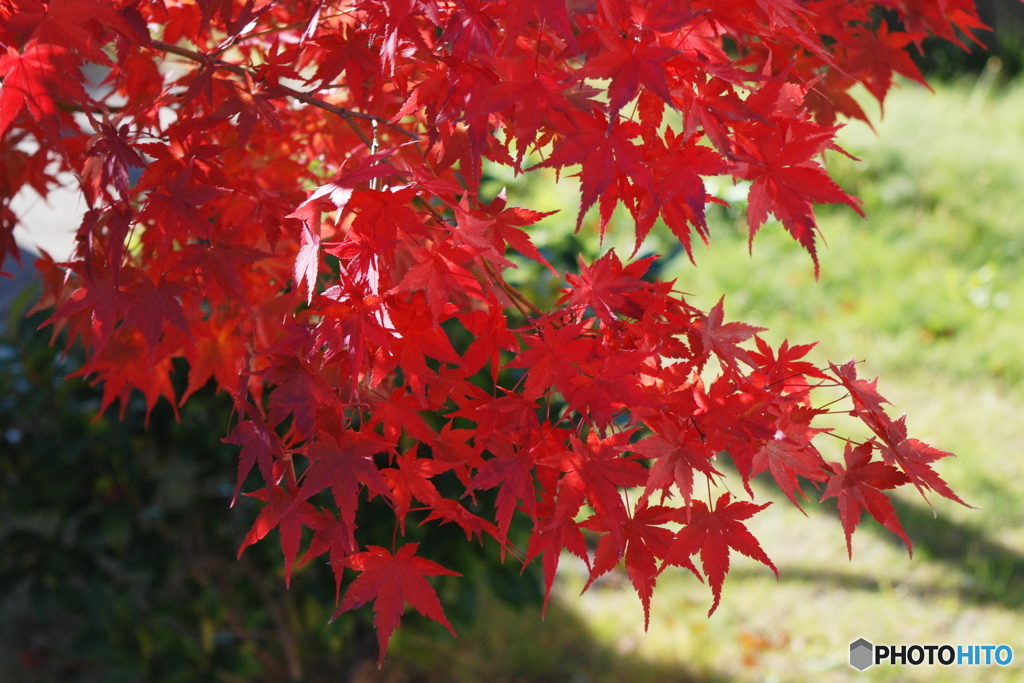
285	195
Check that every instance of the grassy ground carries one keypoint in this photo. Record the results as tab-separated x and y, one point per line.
929	291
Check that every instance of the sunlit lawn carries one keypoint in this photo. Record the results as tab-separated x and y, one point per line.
929	293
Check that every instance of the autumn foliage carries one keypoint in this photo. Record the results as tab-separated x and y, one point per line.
286	196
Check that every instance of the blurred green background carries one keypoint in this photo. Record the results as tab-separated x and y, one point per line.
117	543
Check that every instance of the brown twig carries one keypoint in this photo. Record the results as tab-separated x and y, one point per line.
517	297
347	114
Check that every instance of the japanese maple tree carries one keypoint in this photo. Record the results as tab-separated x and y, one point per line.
286	195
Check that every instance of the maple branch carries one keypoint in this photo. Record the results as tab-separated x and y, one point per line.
845	396
845	438
696	426
347	114
522	304
786	379
274	29
76	108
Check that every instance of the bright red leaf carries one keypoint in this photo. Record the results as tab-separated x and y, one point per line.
712	533
391	581
647	542
858	486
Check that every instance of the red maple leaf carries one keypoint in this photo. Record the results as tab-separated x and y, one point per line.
875	57
535	97
307	261
34	79
382	217
510	415
712	533
490	336
110	156
553	14
647	541
300	393
914	457
337	193
412	478
174	209
440	271
333	536
859	486
512	470
401	411
605	153
788	454
675	459
681	196
343	466
222	264
594	471
783	371
73	24
607	288
391	581
259	446
554	531
552	356
152	304
285	513
418	336
629	63
447	510
127	362
723	339
489	230
778	158
608	385
864	393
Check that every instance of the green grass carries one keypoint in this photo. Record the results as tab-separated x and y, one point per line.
929	292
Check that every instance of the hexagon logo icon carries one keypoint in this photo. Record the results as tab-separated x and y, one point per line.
861	654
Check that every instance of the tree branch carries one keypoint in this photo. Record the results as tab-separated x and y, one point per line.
347	114
513	293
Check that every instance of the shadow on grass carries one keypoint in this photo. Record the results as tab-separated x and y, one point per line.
514	644
994	573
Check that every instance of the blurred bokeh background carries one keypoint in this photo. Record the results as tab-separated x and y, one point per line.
118	545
